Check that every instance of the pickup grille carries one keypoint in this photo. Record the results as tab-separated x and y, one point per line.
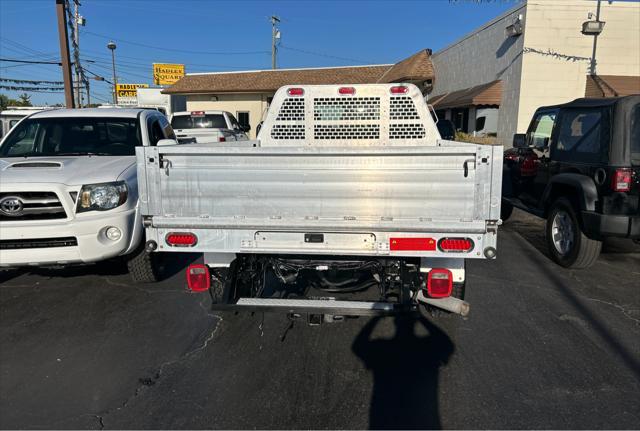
16	244
19	206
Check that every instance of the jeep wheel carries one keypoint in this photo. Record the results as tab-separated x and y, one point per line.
143	266
568	246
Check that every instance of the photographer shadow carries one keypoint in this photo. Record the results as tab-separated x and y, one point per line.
405	373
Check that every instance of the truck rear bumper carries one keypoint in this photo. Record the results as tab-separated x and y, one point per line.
599	226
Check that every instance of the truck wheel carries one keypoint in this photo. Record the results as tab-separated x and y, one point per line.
457	292
568	246
143	266
506	209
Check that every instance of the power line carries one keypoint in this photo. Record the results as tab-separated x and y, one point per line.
320	54
19	88
13	60
29	81
160	48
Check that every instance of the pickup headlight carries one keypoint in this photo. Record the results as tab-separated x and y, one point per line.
102	197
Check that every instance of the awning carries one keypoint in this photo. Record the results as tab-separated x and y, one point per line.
612	85
489	94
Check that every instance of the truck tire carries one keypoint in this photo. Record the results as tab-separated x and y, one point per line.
457	292
568	245
506	209
143	266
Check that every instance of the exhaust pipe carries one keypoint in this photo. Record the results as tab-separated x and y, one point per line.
449	303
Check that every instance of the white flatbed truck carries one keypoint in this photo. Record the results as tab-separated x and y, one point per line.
348	203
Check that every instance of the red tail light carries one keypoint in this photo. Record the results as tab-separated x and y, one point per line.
222	139
347	90
621	181
455	245
295	92
439	283
181	239
399	89
198	277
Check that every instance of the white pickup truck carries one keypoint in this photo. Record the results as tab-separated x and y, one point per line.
69	190
348	203
207	127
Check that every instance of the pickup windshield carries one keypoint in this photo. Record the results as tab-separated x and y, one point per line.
635	135
209	121
76	136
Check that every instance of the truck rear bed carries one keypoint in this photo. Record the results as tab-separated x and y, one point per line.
265	199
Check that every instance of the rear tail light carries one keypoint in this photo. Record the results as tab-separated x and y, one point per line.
621	181
197	113
439	283
448	245
181	239
399	89
295	92
347	90
222	139
198	277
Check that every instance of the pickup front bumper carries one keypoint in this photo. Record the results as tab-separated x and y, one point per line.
598	226
37	244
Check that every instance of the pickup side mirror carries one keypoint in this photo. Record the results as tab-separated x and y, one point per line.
245	128
165	142
520	140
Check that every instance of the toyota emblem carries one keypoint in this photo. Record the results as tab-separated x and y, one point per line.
11	206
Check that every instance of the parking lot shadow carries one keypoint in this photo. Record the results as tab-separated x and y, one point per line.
405	373
169	264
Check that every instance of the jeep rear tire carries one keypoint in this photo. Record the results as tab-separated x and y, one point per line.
567	244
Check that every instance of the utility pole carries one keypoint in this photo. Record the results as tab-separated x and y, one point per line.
64	52
275	36
595	43
112	46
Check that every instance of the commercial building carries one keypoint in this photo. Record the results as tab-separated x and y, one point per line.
247	94
536	54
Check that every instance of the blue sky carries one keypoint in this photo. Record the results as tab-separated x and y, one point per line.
213	36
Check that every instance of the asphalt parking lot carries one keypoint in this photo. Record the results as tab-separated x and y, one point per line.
544	347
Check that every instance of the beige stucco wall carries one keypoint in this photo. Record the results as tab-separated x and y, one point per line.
254	103
557	55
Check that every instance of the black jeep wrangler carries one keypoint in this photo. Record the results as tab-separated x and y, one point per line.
578	166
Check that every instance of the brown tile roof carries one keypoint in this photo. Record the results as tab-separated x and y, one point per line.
416	67
484	94
611	85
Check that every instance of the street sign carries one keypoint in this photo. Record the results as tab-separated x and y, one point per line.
127	93
167	74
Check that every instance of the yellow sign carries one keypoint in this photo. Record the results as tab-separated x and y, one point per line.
167	74
128	92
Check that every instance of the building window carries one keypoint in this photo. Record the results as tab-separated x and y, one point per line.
243	118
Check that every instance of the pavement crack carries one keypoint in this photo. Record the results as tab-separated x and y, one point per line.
624	311
151	381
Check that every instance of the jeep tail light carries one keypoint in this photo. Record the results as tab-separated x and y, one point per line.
399	89
439	283
621	181
448	245
295	92
181	239
198	277
347	90
222	139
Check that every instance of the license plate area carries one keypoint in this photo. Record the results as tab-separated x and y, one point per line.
315	240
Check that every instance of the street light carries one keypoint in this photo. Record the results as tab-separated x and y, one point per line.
112	46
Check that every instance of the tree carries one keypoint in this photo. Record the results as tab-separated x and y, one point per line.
5	101
25	100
